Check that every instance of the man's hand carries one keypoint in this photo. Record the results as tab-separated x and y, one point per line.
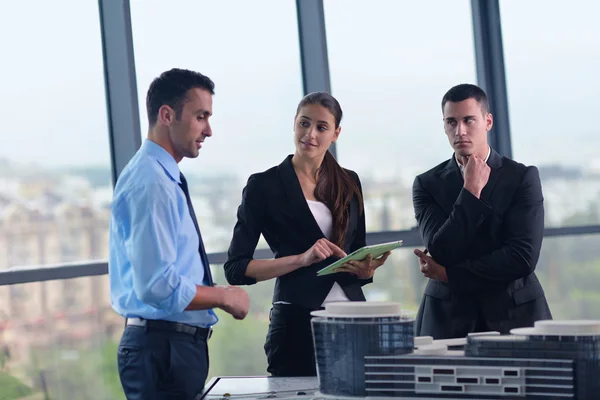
235	301
477	173
319	251
430	268
364	269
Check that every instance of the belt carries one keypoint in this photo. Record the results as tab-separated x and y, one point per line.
202	333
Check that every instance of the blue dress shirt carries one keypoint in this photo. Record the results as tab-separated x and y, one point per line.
154	264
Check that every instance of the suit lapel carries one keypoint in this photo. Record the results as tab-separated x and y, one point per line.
297	205
495	163
451	186
352	224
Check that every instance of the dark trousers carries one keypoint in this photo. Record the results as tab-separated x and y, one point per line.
157	364
289	345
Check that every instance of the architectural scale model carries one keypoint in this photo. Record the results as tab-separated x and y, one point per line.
369	350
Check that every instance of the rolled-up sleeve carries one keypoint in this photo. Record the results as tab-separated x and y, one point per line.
246	234
151	224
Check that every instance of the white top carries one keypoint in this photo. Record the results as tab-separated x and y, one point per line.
324	219
322	215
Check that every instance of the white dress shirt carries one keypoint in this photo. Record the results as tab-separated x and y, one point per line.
462	168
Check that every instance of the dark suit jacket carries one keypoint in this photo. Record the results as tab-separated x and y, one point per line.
489	246
273	204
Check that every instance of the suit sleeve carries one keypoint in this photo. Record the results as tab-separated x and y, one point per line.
360	237
447	237
246	233
522	241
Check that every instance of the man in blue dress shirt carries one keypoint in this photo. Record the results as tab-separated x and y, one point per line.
160	278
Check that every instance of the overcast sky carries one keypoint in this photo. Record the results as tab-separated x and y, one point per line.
390	63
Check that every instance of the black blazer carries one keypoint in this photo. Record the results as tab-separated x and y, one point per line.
489	246
273	204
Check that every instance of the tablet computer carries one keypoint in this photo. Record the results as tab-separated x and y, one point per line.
375	251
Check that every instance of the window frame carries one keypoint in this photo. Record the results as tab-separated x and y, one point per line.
124	123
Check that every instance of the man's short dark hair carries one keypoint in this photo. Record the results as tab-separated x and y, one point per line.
466	91
171	87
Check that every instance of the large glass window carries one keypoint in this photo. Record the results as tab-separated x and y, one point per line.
399	280
391	63
552	61
55	192
55	185
252	55
58	340
569	269
253	58
232	338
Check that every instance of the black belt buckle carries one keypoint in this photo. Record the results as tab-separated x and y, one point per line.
204	333
209	332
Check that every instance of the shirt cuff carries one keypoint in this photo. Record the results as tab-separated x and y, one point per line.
181	297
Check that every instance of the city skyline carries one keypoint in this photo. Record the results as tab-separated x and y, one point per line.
388	204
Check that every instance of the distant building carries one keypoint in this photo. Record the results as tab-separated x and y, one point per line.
39	229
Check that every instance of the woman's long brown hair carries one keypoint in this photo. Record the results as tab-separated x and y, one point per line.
335	187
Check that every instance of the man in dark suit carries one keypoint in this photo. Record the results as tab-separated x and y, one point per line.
481	217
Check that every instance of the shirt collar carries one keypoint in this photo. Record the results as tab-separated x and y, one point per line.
163	157
462	169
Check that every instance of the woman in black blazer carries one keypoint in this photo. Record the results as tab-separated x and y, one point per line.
310	212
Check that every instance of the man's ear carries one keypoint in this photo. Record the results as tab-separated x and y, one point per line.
166	115
489	121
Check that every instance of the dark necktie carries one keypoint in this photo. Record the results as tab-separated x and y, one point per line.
207	275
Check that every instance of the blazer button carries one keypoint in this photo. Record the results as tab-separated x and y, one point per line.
480	220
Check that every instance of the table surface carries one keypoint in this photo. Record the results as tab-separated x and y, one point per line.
262	387
268	387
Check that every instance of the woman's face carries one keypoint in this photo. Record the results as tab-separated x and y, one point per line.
314	131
